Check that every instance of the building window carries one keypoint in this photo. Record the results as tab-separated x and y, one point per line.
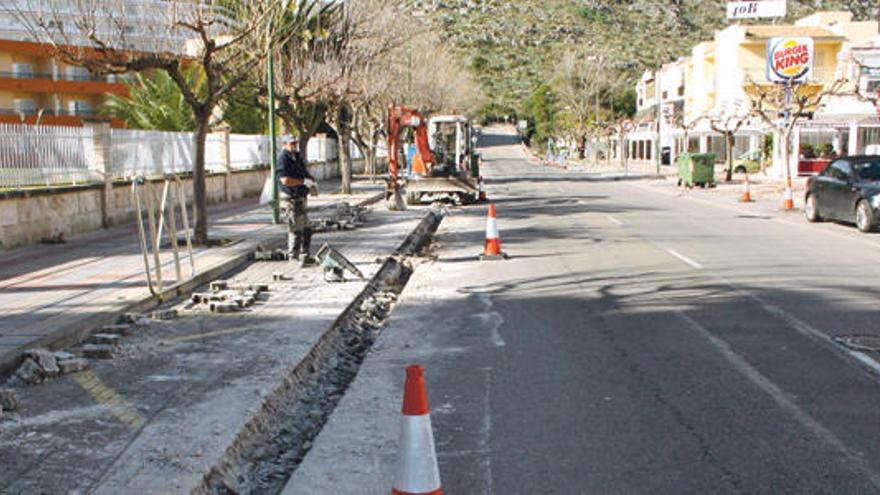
22	71
25	106
681	91
77	73
873	85
868	136
80	108
693	145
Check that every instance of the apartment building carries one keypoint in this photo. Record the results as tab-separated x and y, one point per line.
35	86
718	76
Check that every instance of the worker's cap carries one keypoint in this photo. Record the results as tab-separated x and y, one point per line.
291	140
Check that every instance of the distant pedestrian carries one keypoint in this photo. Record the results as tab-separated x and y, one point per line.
293	192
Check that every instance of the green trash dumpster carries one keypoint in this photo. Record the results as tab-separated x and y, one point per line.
696	169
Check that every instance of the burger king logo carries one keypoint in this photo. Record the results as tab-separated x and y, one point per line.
789	59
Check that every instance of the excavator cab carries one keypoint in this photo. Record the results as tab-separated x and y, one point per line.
444	158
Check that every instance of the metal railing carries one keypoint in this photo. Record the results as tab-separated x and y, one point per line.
61	76
48	112
144	194
42	155
46	155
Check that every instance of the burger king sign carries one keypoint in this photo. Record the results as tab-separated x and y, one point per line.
789	59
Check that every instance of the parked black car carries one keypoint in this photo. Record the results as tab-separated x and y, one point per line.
848	190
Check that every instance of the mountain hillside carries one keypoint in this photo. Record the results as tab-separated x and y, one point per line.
512	46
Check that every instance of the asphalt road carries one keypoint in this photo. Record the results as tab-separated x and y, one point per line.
642	342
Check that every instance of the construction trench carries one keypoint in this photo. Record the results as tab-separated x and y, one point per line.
213	403
271	446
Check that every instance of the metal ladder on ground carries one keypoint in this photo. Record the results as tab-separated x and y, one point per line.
144	193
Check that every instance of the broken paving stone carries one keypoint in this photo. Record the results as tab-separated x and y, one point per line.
73	365
29	372
62	355
106	339
8	401
219	285
96	351
45	360
117	329
261	288
224	307
278	276
164	314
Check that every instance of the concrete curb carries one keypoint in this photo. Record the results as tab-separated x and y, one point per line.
82	329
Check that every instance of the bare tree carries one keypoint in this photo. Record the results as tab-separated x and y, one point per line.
306	67
579	84
224	40
768	103
728	122
861	90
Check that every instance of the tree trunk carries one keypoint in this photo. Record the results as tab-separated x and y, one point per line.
622	150
304	138
200	196
582	146
344	150
730	139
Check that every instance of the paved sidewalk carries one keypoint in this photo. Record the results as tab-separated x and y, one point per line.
51	294
166	409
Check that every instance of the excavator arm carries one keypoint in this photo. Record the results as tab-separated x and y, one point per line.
399	117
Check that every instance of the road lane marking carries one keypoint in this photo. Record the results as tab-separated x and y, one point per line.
780	397
805	328
104	395
614	220
684	259
865	360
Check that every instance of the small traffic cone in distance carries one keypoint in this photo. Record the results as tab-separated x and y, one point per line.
788	198
417	472
482	190
492	248
747	191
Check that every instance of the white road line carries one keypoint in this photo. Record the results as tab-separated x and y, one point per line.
780	397
804	328
866	360
685	259
614	220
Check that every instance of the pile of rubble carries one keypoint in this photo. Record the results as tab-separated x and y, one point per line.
340	216
264	254
40	365
226	297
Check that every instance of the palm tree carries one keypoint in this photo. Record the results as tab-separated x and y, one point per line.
155	102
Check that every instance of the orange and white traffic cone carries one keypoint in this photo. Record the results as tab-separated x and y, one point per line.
481	189
788	198
747	191
492	248
417	472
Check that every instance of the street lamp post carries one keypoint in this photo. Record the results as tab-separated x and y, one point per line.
273	151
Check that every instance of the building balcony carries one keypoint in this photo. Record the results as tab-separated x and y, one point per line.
41	82
49	112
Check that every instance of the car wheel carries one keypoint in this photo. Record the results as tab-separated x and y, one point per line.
864	216
811	209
